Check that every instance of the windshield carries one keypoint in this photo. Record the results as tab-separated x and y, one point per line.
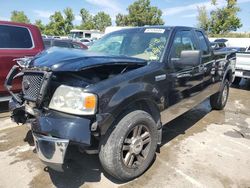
146	43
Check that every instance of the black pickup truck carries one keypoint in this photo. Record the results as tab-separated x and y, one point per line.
114	98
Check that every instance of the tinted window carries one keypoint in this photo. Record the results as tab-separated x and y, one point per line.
202	41
183	41
47	43
85	40
61	44
14	37
75	45
87	35
222	45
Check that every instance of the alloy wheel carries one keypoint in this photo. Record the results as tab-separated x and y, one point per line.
136	146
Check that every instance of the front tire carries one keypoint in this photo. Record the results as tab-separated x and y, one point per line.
127	151
219	100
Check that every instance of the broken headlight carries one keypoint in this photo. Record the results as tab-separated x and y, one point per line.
73	100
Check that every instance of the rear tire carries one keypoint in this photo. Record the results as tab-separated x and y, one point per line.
219	100
237	81
129	149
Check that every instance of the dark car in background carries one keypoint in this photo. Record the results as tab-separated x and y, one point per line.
65	43
17	40
217	45
234	49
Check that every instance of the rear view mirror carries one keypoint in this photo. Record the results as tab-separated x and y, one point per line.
189	58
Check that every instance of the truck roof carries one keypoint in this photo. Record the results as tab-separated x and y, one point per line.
164	27
17	24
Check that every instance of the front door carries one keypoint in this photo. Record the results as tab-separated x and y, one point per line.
187	79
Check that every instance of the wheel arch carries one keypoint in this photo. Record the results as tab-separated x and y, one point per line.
229	75
145	104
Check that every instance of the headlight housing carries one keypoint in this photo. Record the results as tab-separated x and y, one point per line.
73	100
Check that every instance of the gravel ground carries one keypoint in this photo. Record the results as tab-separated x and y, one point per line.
201	148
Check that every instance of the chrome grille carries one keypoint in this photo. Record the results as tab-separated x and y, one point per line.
31	85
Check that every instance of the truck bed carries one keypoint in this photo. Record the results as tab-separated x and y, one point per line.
243	65
243	61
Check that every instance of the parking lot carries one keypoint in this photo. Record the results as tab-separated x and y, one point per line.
202	148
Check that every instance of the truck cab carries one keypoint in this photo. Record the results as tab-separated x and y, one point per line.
114	98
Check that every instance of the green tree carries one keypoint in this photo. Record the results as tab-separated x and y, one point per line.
68	21
19	16
40	25
87	20
224	20
56	25
121	20
141	13
60	24
203	19
221	20
102	20
86	16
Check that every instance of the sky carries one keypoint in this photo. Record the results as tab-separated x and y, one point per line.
175	12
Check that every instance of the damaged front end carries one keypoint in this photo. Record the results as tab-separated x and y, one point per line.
52	131
16	102
56	104
34	86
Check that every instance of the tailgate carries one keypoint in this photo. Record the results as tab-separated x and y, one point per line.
243	61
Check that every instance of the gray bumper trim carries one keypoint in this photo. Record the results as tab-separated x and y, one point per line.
51	150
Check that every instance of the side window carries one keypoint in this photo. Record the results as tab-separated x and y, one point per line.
15	37
62	44
202	41
87	35
183	40
47	43
75	45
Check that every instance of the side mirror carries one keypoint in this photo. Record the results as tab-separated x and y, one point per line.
189	58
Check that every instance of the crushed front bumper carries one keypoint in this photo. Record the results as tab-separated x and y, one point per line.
65	126
51	150
53	132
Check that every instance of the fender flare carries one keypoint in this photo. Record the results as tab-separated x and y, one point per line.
136	98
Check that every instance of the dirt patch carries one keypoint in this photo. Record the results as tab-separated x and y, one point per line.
13	137
41	180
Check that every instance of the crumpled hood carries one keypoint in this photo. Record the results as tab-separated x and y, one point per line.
64	59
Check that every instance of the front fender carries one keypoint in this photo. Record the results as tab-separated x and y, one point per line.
124	97
134	92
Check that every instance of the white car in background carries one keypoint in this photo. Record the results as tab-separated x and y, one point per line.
242	66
